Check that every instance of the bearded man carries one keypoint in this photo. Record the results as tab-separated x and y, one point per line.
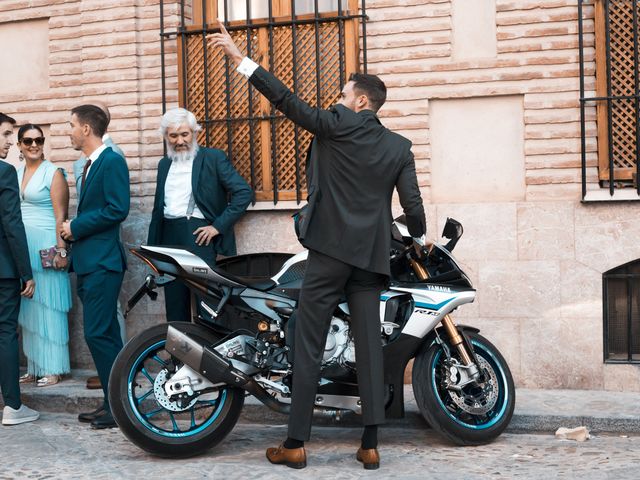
199	197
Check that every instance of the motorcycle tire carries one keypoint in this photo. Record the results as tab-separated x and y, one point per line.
151	420
481	411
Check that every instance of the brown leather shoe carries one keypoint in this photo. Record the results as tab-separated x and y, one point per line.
291	457
370	458
93	383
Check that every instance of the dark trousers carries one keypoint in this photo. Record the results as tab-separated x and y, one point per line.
9	367
326	280
178	232
98	292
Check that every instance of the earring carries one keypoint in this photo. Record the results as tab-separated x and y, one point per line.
21	157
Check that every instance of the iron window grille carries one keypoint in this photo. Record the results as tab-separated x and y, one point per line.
313	53
621	294
617	92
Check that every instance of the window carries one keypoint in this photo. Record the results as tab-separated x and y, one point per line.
621	293
617	90
312	46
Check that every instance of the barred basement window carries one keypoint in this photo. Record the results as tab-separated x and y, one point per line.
311	45
621	293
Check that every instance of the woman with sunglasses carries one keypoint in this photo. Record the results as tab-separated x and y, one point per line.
44	194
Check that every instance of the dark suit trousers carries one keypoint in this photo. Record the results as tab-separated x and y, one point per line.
99	294
326	280
178	232
9	368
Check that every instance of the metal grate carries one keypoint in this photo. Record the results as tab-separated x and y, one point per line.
617	91
622	314
313	54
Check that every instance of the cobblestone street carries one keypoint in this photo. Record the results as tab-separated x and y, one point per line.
57	446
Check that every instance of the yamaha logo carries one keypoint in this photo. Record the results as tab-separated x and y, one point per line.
439	288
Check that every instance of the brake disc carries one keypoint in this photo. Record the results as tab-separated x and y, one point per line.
163	399
478	399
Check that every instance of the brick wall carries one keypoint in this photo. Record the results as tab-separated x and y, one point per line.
108	51
537	56
537	263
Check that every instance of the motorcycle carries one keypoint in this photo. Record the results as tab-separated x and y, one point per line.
178	389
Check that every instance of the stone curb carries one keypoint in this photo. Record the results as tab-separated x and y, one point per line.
537	411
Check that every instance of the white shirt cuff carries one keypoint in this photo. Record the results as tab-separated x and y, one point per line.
247	67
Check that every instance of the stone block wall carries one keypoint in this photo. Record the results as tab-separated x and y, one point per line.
536	255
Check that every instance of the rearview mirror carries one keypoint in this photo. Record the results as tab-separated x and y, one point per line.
453	231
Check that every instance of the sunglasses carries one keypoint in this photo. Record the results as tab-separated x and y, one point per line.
29	141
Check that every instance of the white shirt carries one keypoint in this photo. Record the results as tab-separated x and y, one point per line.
177	191
94	156
247	67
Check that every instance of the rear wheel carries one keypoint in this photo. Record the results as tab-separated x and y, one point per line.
148	417
477	413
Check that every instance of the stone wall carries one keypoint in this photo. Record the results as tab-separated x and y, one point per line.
536	254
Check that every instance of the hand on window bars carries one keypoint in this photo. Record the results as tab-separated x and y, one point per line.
223	40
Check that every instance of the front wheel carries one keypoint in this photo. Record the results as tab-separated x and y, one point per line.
475	414
151	419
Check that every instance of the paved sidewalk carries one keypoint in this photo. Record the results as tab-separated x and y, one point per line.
536	410
59	447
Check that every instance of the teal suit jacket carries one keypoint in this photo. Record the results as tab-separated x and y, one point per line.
103	205
79	164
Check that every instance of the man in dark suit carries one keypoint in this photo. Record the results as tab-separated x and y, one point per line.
98	257
199	197
15	279
354	164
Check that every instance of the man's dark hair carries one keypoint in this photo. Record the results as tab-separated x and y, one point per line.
372	87
6	118
92	116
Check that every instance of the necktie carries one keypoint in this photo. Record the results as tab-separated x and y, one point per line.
84	173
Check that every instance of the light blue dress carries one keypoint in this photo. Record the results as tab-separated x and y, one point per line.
43	318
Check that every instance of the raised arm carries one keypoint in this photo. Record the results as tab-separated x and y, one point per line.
316	120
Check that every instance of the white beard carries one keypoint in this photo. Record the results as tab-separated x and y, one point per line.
183	156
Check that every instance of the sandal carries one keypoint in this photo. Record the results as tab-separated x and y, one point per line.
27	378
47	380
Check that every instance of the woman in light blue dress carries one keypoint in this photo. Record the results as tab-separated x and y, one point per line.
44	196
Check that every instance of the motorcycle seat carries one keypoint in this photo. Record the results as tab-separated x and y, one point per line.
257	283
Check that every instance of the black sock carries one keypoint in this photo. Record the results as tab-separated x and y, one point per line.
370	437
293	443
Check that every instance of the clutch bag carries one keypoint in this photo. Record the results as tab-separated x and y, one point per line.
47	255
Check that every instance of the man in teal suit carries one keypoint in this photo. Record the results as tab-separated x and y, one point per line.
78	166
98	257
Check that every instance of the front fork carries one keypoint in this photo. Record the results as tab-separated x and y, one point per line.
452	331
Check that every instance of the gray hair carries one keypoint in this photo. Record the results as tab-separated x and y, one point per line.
176	117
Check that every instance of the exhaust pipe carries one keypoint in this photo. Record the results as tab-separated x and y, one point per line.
215	368
209	363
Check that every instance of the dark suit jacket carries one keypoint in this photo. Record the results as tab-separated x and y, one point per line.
353	166
14	252
102	207
213	180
